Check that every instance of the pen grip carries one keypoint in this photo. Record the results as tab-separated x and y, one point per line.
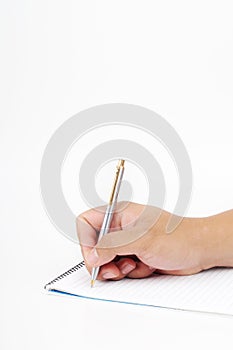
107	220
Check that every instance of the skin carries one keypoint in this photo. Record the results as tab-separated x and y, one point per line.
139	245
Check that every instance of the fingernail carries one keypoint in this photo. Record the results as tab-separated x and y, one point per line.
126	269
109	275
93	257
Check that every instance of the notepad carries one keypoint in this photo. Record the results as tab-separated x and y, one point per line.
208	291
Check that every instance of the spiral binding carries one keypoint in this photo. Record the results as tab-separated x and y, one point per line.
65	274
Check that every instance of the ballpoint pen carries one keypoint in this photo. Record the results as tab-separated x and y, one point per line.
109	211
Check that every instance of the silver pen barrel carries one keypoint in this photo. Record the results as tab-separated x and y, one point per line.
109	211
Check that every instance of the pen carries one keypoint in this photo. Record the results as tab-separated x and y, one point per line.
109	211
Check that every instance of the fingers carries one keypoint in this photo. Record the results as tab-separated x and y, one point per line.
135	240
121	243
109	271
101	256
85	252
87	233
116	270
113	270
125	267
88	224
141	271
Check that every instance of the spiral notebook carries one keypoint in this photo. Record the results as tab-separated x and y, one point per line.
208	291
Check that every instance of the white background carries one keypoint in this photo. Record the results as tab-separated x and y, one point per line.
60	57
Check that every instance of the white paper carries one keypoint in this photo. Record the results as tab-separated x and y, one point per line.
207	291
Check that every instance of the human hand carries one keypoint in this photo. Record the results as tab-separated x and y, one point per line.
138	244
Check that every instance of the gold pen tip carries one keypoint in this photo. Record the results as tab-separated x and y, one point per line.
92	283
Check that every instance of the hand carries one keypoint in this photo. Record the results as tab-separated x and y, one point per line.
138	244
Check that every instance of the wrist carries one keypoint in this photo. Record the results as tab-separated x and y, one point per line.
217	233
220	227
202	243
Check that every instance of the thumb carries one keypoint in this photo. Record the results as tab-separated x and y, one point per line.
124	242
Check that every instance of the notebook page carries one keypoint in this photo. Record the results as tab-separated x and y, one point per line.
208	291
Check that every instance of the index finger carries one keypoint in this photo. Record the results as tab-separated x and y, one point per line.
89	223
